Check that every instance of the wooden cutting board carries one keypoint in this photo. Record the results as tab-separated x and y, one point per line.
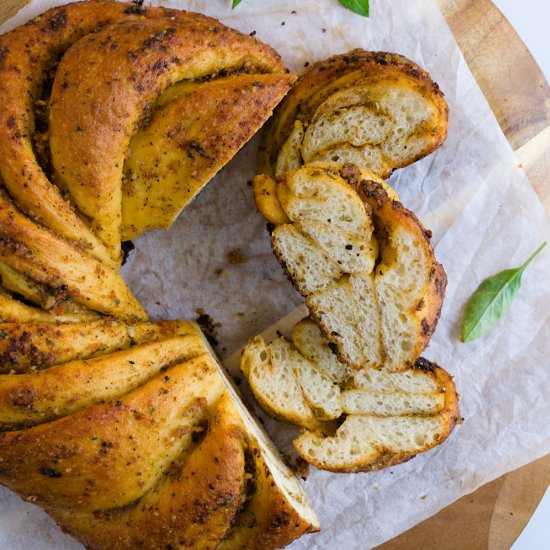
493	516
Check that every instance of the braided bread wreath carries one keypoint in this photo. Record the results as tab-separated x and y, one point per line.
128	433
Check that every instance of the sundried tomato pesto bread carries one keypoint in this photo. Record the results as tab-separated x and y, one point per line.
352	420
131	436
377	110
106	130
363	262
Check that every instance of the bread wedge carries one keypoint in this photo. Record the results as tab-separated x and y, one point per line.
174	155
377	110
147	446
379	418
363	262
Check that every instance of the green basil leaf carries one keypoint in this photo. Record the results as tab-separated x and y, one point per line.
492	300
357	6
235	4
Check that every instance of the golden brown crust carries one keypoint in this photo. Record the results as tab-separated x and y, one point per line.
141	447
194	506
114	466
265	195
27	55
265	520
44	256
30	346
107	63
15	311
389	216
143	58
125	445
355	68
181	142
37	397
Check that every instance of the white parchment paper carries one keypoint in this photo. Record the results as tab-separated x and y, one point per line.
485	217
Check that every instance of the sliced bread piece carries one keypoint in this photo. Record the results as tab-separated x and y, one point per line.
363	262
378	110
384	418
272	372
369	443
309	341
356	401
409	282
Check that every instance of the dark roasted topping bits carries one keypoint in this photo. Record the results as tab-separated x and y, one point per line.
137	8
235	256
207	325
50	472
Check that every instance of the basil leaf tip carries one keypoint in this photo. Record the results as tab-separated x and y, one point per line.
357	6
492	300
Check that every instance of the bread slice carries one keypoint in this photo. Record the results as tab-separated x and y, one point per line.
377	110
363	262
368	443
278	374
384	418
309	341
409	282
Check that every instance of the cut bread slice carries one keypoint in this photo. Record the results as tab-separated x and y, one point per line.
409	282
272	372
356	401
369	443
309	341
377	110
304	261
363	262
36	397
384	418
349	312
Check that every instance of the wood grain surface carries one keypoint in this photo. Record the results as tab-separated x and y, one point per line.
493	516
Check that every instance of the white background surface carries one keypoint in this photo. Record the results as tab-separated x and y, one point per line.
531	19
